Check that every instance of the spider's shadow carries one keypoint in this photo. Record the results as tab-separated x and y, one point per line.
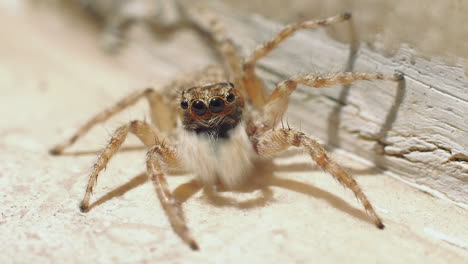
334	122
334	140
262	179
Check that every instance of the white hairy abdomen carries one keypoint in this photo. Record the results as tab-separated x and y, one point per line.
225	160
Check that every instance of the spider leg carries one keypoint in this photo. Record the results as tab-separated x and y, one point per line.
147	133
159	157
209	23
277	103
160	114
275	141
254	86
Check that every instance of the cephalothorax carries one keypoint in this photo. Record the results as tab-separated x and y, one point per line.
213	109
216	122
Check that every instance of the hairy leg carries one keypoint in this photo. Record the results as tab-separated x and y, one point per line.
275	141
160	115
207	21
277	103
147	133
159	158
254	86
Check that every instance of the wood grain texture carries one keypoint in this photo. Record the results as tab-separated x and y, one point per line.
418	130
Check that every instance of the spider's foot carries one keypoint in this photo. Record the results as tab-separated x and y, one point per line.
380	225
193	245
399	76
56	151
347	15
84	207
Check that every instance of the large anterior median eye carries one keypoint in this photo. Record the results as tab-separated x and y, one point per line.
199	108
216	105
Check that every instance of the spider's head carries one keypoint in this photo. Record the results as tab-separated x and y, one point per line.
213	109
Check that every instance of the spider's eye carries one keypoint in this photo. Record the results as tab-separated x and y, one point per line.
184	105
230	97
199	108
216	105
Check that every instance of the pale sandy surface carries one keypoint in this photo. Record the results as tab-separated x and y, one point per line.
52	80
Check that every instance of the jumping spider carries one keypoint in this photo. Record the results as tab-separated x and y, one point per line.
216	128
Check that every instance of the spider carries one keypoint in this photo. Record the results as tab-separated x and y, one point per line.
217	121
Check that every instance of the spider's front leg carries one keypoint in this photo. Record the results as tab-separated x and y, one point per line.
144	131
275	141
159	158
